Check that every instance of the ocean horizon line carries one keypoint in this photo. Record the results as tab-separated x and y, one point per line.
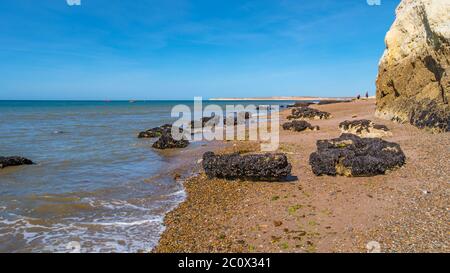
275	98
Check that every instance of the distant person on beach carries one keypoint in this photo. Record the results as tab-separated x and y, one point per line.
358	97
367	95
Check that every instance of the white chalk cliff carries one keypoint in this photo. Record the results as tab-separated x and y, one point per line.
413	83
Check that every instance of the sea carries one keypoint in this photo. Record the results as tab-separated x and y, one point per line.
95	186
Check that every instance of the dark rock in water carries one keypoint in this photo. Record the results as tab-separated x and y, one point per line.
10	161
308	113
364	128
255	167
166	141
205	120
156	132
299	126
350	155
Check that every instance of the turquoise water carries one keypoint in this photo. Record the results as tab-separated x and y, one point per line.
91	181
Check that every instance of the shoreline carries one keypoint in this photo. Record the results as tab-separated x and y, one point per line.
182	165
293	98
319	214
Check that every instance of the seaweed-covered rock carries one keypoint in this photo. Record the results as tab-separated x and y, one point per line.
299	126
350	155
10	161
156	132
308	113
364	128
428	114
255	167
166	141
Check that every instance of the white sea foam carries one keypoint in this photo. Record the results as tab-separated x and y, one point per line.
113	236
133	223
113	204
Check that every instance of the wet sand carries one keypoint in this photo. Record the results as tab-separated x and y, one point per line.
405	210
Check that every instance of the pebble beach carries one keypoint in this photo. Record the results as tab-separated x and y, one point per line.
405	210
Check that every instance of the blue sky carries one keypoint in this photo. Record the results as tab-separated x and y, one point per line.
177	49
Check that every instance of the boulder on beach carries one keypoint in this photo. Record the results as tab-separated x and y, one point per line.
308	113
299	126
350	155
413	83
166	141
254	167
9	161
364	128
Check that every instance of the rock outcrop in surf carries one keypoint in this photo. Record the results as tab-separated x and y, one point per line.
166	141
156	132
9	161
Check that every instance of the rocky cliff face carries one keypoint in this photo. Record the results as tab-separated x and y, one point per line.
413	83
